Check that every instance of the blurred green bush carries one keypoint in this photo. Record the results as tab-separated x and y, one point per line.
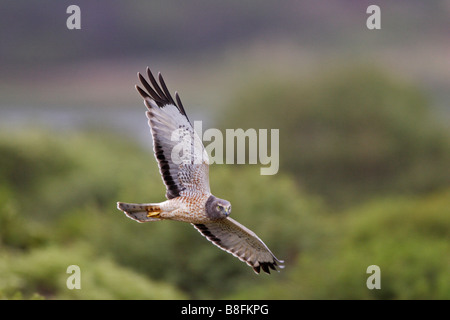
43	273
408	238
55	193
358	135
348	134
75	207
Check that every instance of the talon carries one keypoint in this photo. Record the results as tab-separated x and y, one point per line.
152	214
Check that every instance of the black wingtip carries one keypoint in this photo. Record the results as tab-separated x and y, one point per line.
179	104
158	92
266	266
164	87
142	92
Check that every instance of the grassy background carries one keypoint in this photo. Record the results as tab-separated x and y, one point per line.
364	147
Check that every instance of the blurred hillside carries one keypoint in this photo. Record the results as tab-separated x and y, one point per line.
57	208
364	147
208	39
351	133
35	33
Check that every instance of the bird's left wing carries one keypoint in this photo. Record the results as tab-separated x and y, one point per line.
233	237
182	159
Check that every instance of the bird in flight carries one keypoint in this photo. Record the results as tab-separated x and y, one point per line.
184	167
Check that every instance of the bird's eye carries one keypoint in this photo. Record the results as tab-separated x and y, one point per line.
219	207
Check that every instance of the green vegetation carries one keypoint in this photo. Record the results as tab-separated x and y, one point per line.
362	140
409	239
349	134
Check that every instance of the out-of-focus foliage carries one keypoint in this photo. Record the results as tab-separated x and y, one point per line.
409	239
50	187
73	207
364	136
43	272
349	134
71	219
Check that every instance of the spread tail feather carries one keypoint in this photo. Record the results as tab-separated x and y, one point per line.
141	212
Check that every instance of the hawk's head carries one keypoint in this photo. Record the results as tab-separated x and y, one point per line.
217	209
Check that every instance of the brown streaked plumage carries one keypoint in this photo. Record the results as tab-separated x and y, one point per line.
184	167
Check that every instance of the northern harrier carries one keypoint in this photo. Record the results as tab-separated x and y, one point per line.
187	181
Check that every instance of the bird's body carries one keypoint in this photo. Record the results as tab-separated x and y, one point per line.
186	209
184	167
